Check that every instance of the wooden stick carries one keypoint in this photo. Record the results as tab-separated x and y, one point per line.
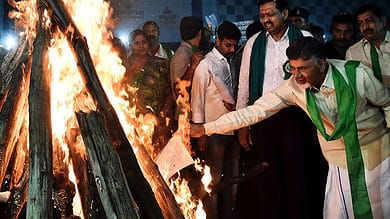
10	119
19	175
89	195
11	63
40	204
113	189
18	199
139	186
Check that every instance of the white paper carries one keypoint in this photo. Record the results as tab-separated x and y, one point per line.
173	157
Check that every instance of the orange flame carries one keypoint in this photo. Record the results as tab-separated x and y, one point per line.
184	108
93	19
191	206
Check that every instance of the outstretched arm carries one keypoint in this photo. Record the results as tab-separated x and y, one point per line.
266	106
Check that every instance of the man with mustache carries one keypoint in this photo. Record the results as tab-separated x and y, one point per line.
343	35
351	110
373	49
280	191
212	80
156	48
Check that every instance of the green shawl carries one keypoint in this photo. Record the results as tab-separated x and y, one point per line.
257	62
346	98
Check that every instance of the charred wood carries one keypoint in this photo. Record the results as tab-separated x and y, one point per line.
20	156
18	199
90	200
113	189
40	203
63	193
17	177
10	119
11	63
63	189
139	186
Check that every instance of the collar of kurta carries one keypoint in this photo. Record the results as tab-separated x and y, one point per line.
257	61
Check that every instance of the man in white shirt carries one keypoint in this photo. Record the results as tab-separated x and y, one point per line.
211	97
262	71
351	110
373	49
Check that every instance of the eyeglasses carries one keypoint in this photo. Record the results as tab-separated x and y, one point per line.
287	67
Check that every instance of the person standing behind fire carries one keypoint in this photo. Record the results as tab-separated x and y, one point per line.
156	48
343	35
212	80
235	60
300	18
373	49
282	190
150	75
187	56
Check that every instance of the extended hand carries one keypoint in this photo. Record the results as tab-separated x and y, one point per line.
245	138
229	106
197	130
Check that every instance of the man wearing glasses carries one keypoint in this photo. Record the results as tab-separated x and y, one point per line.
351	110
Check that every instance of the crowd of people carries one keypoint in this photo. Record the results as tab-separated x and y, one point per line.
317	112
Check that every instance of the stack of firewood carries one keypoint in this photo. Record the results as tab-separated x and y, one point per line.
112	181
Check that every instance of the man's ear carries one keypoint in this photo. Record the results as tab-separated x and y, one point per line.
322	63
383	20
217	42
285	14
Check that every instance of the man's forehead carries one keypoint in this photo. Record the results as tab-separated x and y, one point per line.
268	6
365	15
300	62
151	26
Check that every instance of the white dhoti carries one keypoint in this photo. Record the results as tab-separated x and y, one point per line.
338	200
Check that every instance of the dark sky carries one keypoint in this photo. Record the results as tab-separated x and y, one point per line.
6	23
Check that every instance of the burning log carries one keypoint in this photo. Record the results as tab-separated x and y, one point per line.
18	175
18	197
10	64
135	178
19	161
113	189
142	193
63	189
40	204
10	119
90	200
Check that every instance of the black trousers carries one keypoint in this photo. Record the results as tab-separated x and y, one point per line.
294	184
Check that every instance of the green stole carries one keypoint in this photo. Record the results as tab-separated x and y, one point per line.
257	62
346	127
168	51
375	62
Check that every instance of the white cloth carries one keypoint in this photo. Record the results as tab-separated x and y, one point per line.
370	120
206	99
161	52
361	51
338	201
374	137
275	58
